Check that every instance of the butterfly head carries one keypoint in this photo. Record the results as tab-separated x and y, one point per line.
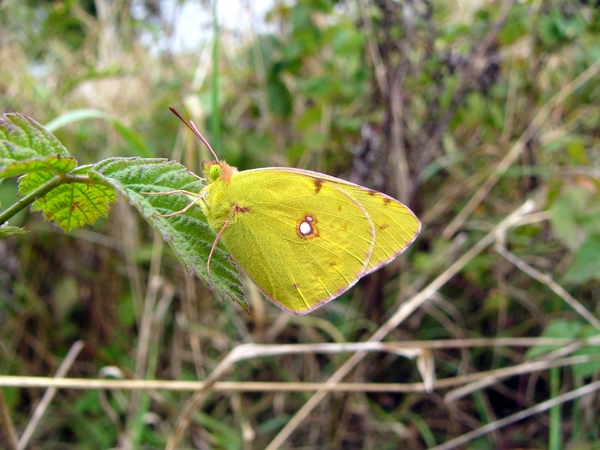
218	170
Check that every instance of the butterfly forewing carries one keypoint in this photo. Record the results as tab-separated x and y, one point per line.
303	240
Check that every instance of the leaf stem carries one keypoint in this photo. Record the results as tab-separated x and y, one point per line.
41	191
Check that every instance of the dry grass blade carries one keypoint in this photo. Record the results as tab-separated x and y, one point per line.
248	351
495	376
380	71
544	406
518	147
482	377
49	395
467	76
548	281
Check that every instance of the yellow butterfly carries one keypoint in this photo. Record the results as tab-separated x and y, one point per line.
303	237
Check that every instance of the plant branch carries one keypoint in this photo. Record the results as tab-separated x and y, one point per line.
44	189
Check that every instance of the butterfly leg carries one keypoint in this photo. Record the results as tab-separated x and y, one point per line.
212	249
181	211
197	198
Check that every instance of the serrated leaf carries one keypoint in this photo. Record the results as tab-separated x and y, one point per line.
26	146
7	230
188	233
51	164
70	205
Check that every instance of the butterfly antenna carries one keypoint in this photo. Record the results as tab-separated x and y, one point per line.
192	126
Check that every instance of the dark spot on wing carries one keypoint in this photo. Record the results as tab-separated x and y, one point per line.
318	185
296	285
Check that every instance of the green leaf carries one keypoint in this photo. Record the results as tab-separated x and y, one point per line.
280	99
586	265
63	192
556	329
50	164
188	233
26	146
564	220
587	369
574	330
7	230
74	204
514	28
576	216
592	367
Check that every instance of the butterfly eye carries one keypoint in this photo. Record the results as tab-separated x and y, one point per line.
214	172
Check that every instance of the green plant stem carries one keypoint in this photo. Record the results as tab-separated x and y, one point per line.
555	411
43	190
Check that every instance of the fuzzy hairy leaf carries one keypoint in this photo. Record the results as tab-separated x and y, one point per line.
188	233
26	146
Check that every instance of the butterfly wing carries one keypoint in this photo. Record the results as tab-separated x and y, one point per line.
395	225
302	239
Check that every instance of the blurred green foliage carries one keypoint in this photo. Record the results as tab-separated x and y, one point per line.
419	99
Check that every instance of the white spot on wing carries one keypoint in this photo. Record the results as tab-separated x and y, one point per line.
305	227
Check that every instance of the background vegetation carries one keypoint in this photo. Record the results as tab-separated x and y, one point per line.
462	110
